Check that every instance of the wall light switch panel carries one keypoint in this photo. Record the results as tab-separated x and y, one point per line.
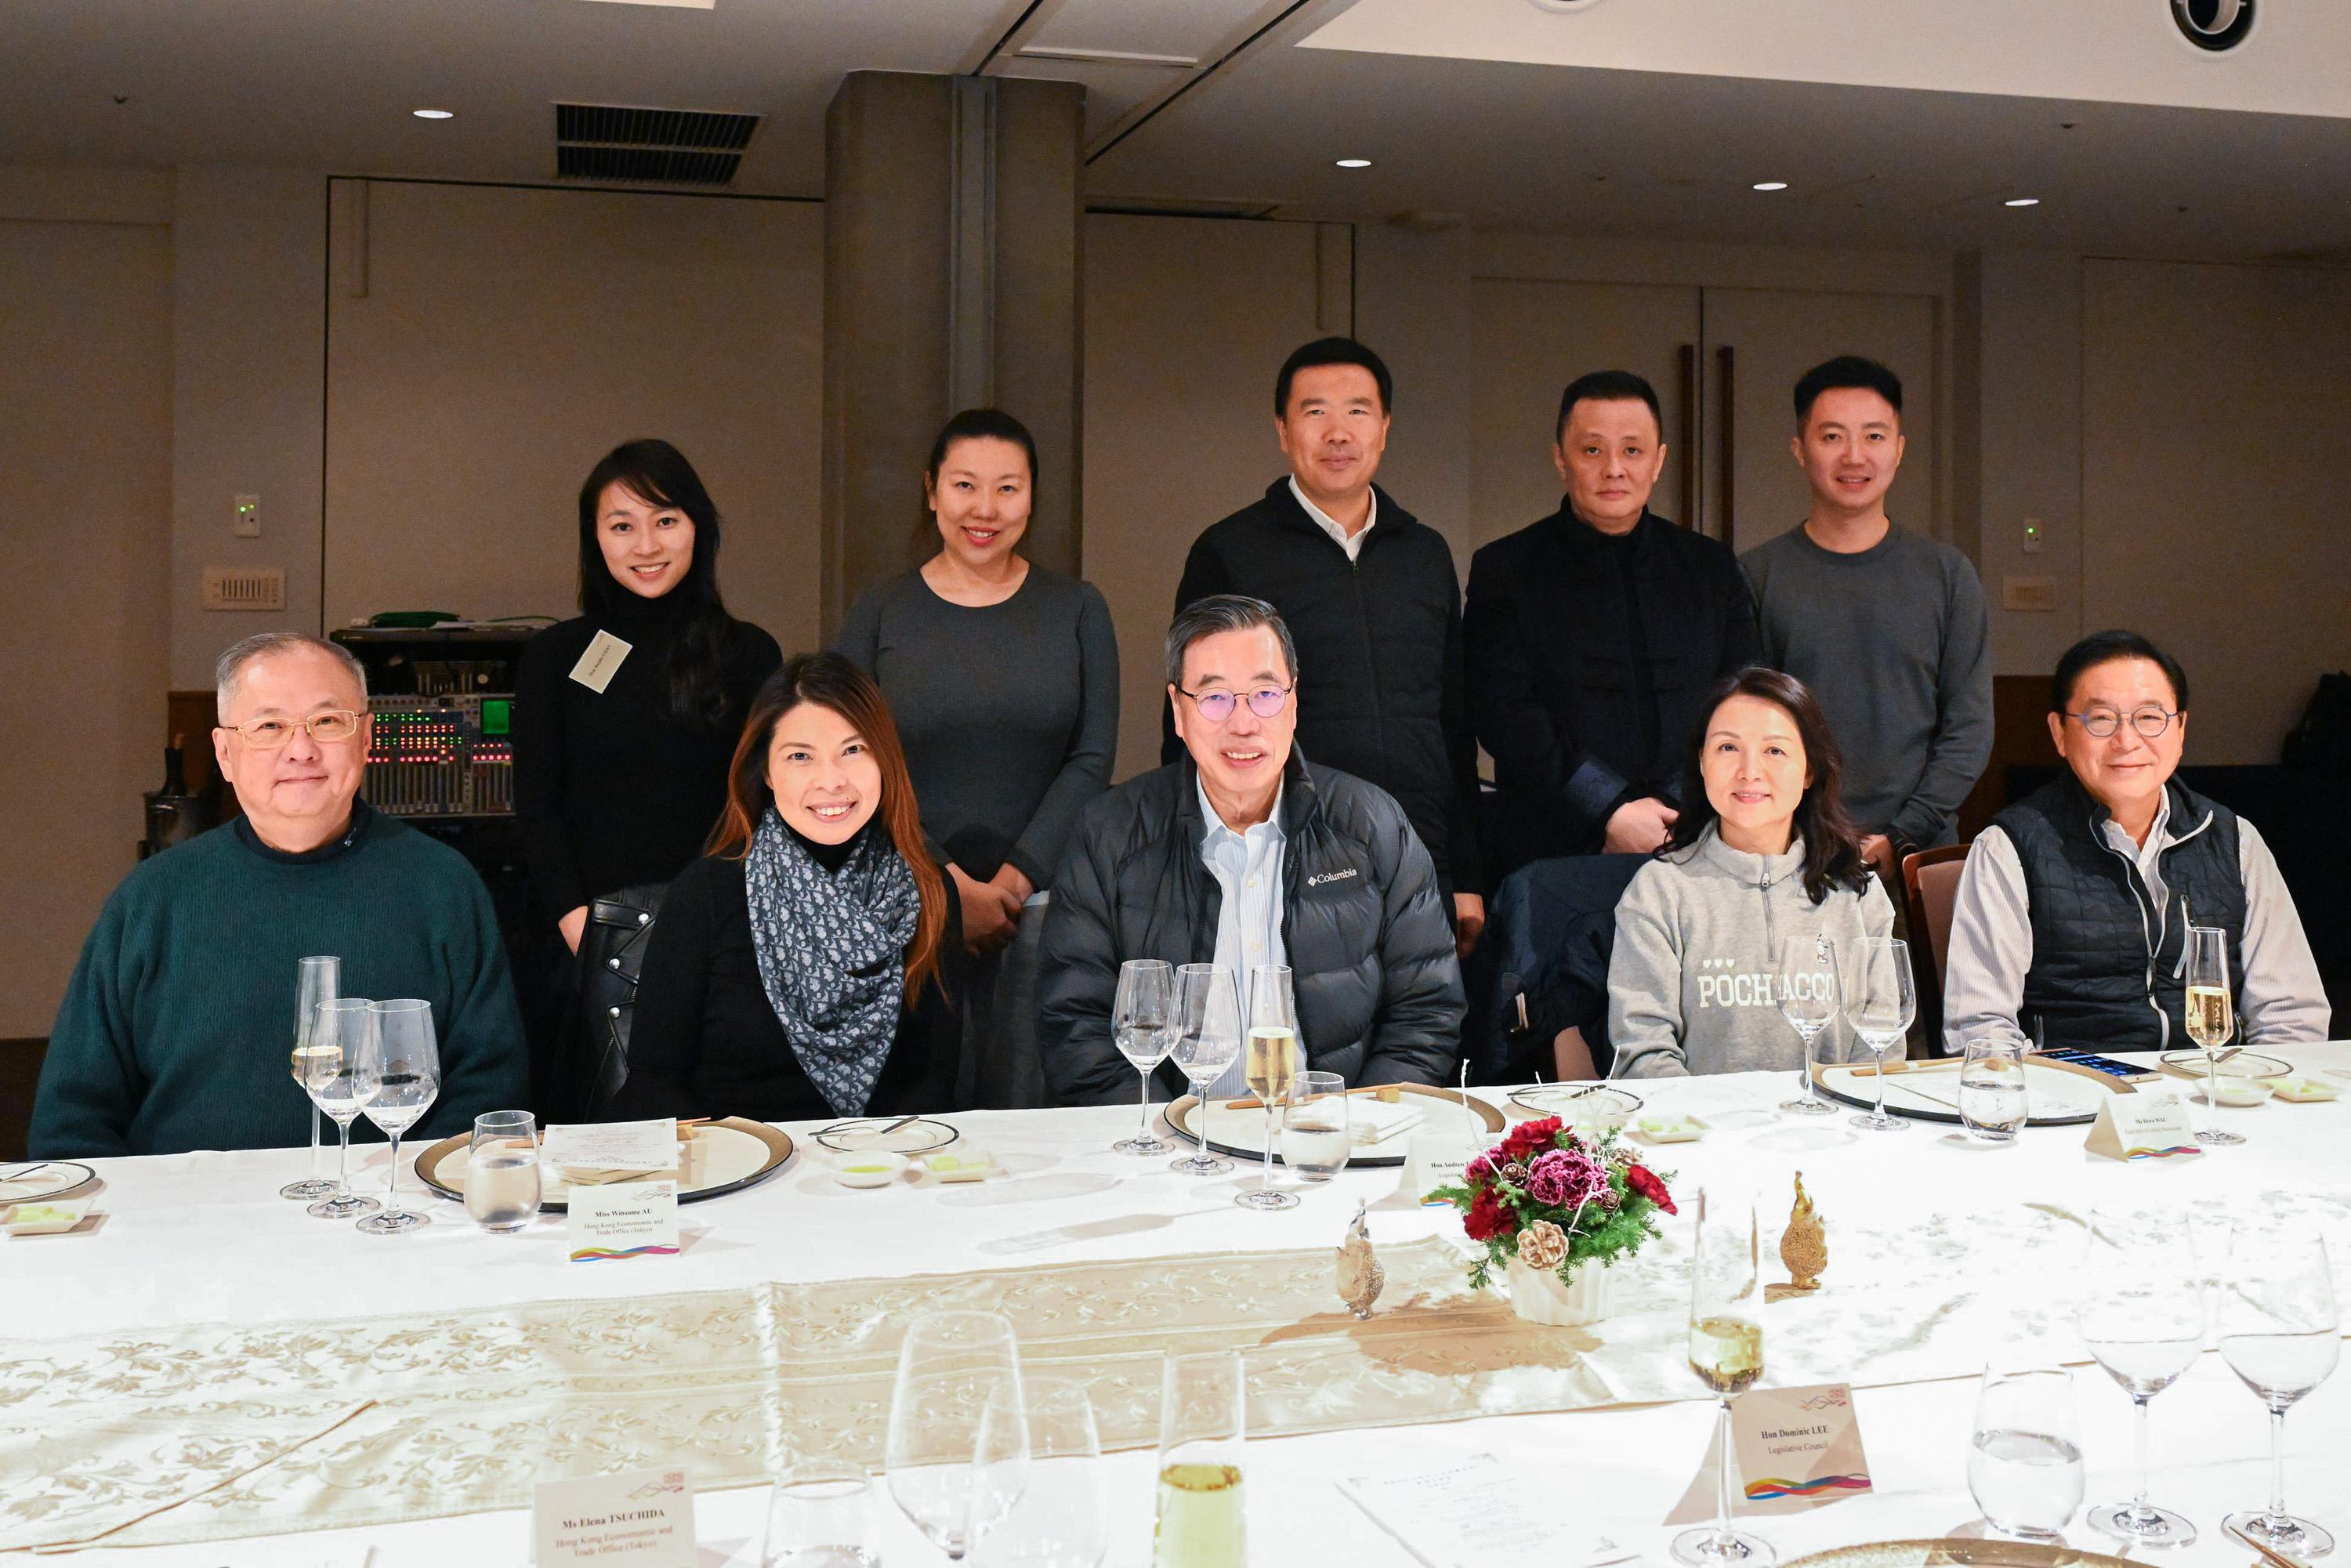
242	588
2034	532
248	517
2028	593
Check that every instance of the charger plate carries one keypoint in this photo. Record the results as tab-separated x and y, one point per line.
2062	1093
1182	1116
1957	1551
725	1156
45	1178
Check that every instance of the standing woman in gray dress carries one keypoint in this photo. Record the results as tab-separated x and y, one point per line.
1003	676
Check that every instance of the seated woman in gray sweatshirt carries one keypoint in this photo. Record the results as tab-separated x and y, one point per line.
1763	854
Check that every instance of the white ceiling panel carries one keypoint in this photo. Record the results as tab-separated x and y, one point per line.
1193	29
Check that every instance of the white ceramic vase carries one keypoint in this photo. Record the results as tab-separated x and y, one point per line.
1537	1295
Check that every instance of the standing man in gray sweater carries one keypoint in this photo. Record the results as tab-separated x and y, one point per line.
1886	627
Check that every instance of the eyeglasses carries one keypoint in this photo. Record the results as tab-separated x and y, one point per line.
2150	719
1218	706
327	729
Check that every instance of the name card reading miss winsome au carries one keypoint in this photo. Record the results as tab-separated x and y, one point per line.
597	665
623	1221
630	1518
2142	1126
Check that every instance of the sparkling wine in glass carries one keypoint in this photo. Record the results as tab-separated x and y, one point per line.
1808	998
1056	1518
1269	1063
502	1171
1316	1138
1203	1428
316	980
1993	1102
1142	1026
2211	1018
2280	1331
1726	1352
340	1074
1880	1000
2141	1312
1208	1041
951	1365
408	1079
2025	1462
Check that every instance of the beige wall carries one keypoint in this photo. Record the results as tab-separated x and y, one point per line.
86	401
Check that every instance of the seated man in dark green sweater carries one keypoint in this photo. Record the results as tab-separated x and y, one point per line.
178	1027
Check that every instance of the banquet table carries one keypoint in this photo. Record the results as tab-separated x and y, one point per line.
1943	1252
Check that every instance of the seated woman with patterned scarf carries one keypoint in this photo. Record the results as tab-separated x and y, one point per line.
799	968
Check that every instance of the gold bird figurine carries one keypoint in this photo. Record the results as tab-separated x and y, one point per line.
1804	1246
1360	1274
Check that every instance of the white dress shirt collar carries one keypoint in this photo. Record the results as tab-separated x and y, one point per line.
1352	543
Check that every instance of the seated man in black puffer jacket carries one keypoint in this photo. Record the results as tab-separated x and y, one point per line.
1242	855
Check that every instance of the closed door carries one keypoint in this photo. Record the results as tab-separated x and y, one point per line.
1758	342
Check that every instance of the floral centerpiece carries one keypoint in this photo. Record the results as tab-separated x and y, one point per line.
1545	1200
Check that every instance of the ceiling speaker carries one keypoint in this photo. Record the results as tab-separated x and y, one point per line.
2215	27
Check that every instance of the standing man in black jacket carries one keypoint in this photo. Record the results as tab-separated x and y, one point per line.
1593	636
1371	596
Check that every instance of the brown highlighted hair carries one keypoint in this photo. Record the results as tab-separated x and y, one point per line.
831	680
1833	857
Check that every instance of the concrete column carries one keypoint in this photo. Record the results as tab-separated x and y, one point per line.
952	280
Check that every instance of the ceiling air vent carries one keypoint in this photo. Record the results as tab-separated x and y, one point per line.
665	146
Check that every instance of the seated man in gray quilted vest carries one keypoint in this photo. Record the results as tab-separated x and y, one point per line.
1242	855
2074	904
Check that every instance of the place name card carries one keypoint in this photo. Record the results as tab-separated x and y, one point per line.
601	662
1434	1158
630	1518
633	1219
2142	1126
612	1146
1476	1511
1791	1449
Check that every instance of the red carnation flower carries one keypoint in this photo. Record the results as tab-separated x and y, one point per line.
1487	1218
1644	1180
1530	1138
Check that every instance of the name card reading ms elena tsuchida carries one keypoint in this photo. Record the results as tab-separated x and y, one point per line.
630	1518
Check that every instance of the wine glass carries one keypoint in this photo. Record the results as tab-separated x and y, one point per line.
1725	1351
821	1515
2025	1465
950	1366
1880	1000
2142	1314
1809	995
339	1074
1994	1101
408	1079
2211	1018
1208	1041
1270	1064
1055	1518
1315	1137
316	980
2279	1328
1202	1429
502	1171
1142	1026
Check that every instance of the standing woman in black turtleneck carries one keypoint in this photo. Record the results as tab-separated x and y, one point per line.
626	717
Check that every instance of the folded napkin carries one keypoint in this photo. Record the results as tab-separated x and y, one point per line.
1376	1120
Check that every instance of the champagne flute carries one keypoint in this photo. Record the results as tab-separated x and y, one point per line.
1880	1000
2279	1329
1994	1101
1056	1518
2025	1465
1809	994
1725	1351
408	1079
1203	1428
1315	1137
316	980
1271	1063
1208	1041
2211	1018
2142	1314
950	1366
340	1077
1142	1026
502	1171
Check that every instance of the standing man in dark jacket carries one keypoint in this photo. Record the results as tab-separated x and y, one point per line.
1240	854
1593	636
1371	596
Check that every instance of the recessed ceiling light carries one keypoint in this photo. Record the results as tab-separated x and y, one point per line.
1354	163
1771	184
2022	201
434	114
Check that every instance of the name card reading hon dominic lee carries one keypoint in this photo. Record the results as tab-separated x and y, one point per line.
630	1518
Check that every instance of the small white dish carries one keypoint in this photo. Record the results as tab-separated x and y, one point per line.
50	1218
869	1168
2231	1089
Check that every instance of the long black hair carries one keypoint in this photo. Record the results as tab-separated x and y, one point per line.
1833	857
658	474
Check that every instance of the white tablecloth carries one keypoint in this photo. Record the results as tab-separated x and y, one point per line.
204	1238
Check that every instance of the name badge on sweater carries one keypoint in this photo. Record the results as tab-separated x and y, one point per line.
597	665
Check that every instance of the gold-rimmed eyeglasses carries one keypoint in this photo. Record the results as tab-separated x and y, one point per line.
1217	706
327	729
2150	719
